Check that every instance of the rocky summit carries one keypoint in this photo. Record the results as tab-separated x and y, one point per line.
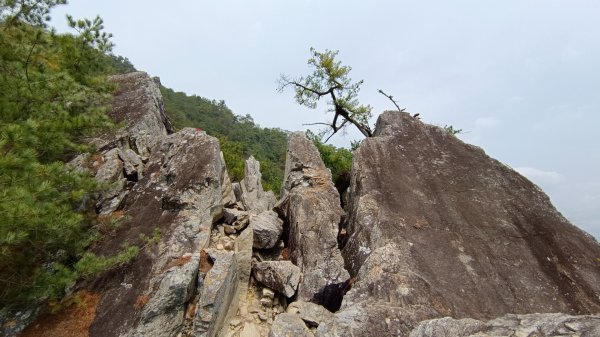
436	240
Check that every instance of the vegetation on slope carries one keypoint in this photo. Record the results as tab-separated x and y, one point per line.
53	94
240	136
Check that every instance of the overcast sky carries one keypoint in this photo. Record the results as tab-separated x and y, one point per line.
520	77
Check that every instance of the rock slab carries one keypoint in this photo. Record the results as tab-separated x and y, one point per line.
437	228
310	205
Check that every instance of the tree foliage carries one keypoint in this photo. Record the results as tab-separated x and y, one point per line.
330	79
337	160
53	93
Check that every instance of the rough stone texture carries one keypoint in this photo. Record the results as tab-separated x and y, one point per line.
253	196
122	154
111	169
533	325
288	325
267	228
180	195
243	252
163	314
281	276
228	195
137	103
437	228
133	166
312	314
218	292
310	205
231	215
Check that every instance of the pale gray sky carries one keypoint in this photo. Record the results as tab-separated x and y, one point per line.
521	77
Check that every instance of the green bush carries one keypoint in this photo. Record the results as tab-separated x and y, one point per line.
54	93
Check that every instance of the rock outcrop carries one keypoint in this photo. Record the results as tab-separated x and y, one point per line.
138	104
511	325
311	208
437	228
252	195
179	197
439	240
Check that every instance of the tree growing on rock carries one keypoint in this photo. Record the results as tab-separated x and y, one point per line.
330	80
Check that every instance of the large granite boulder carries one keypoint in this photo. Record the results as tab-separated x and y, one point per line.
437	228
311	208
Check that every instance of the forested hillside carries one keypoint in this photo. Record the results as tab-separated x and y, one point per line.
240	136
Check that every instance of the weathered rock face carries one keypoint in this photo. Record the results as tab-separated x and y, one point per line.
282	276
137	103
267	228
252	195
437	228
512	325
179	196
219	289
311	208
287	325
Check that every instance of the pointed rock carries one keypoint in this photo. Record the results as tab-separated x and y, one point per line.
311	206
253	196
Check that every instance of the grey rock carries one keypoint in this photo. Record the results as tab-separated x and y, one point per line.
228	195
267	228
180	195
163	314
218	292
13	323
511	325
175	289
243	253
237	191
268	293
288	325
310	204
281	276
111	197
231	215
138	103
132	164
250	330
437	228
312	314
111	168
253	196
447	327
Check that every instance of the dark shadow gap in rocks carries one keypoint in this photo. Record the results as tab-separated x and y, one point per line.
331	296
341	185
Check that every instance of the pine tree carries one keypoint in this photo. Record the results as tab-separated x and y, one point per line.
53	94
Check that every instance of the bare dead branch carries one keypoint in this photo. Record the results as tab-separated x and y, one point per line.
391	98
